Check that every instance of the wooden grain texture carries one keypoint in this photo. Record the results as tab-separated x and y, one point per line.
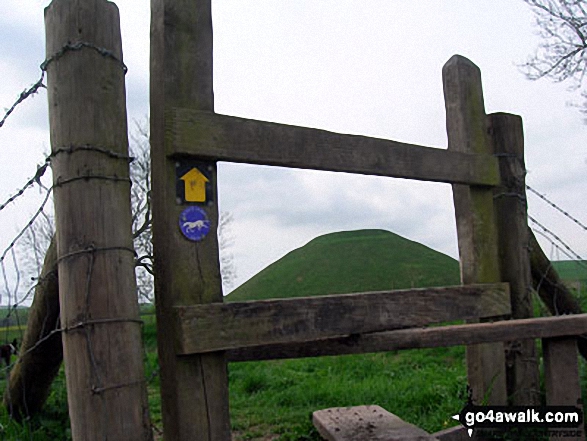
507	139
371	423
475	217
104	368
194	389
213	327
561	376
430	337
228	138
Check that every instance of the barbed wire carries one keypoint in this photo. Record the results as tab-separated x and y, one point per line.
69	47
571	252
102	381
556	207
23	96
35	179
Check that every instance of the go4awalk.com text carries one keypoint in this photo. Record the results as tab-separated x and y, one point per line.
561	421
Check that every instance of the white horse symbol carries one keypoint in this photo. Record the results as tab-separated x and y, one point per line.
195	225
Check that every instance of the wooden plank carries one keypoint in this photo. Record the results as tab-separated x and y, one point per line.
103	352
228	138
371	423
476	224
217	326
194	390
419	338
507	139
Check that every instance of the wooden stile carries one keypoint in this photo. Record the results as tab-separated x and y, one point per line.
228	138
476	223
103	353
194	389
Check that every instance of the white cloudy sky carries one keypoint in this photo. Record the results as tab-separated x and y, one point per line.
369	67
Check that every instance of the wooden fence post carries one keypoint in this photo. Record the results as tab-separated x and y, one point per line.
194	389
35	370
476	224
99	306
507	138
562	377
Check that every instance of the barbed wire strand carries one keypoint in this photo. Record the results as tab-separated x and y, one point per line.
556	207
69	47
580	260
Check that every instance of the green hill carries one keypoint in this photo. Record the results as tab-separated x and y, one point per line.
351	261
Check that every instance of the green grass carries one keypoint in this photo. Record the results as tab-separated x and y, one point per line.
275	399
424	387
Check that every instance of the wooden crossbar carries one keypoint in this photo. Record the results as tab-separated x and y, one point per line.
441	336
227	138
223	326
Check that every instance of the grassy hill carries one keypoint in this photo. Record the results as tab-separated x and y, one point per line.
351	261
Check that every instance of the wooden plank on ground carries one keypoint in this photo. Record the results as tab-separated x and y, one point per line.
218	326
442	336
228	138
371	423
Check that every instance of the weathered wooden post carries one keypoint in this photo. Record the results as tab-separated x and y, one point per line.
561	377
36	368
507	140
477	231
194	389
99	306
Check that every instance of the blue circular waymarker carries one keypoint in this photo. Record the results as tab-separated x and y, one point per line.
194	223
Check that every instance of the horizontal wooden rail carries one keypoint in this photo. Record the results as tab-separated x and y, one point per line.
441	336
228	138
223	326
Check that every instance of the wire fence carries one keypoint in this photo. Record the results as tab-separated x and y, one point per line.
23	272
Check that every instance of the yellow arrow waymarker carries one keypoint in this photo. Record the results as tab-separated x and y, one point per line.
195	186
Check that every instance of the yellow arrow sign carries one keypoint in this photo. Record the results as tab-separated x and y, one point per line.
195	185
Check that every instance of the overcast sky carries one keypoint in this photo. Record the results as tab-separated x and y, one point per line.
361	67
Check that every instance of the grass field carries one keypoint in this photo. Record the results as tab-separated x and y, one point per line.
277	397
274	400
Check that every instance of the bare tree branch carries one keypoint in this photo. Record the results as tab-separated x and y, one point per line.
562	53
